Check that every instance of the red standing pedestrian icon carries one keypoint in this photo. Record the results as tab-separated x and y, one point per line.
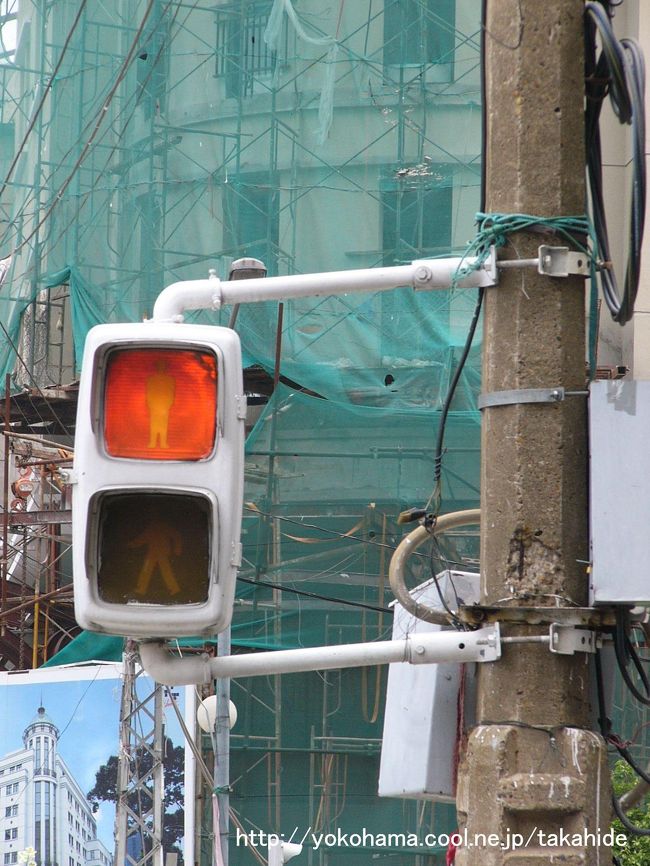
160	393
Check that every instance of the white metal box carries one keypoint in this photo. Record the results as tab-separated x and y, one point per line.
421	721
619	420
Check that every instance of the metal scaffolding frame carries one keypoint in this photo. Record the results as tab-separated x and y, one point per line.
109	176
140	784
117	212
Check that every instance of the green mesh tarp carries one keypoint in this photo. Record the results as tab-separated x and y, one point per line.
158	140
325	483
89	646
172	140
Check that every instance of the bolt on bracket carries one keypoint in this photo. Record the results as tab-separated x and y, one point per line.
553	262
568	640
561	262
482	645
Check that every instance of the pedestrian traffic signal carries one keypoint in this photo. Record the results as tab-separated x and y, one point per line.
158	476
153	548
149	429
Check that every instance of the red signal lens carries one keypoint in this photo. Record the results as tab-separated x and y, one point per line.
160	404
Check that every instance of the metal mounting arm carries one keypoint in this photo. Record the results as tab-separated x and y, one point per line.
424	274
483	645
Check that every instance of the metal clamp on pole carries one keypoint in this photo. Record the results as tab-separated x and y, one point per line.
526	395
568	640
562	639
552	262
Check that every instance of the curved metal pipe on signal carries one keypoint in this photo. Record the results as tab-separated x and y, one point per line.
174	670
408	546
172	302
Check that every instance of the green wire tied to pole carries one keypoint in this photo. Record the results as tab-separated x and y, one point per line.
494	230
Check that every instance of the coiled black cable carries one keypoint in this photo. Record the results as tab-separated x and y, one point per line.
618	72
625	821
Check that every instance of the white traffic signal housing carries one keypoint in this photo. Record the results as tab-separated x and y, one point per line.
158	472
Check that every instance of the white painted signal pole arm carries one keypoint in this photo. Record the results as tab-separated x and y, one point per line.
482	645
213	293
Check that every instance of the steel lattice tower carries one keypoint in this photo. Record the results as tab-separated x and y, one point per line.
139	814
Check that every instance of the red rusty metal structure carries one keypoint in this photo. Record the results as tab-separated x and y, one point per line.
36	613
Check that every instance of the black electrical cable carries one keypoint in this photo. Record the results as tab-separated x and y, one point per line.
626	651
603	721
483	111
618	72
625	821
625	753
96	125
437	471
479	301
131	105
605	727
304	592
453	616
303	525
632	653
46	89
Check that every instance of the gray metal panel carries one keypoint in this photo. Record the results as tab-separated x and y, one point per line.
620	491
421	717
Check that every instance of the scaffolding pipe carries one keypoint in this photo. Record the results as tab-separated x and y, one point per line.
481	645
5	499
423	274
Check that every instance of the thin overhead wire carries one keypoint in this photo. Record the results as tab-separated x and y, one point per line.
99	120
46	90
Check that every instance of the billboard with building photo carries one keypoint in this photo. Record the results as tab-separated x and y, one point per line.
59	747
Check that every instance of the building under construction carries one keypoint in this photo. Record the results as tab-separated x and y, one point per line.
148	141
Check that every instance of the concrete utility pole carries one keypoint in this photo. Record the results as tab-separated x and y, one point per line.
532	764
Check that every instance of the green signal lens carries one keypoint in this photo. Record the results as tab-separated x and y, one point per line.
153	548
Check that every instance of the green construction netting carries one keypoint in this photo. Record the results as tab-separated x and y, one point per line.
325	483
154	140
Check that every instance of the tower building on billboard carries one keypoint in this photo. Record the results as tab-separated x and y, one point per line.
42	805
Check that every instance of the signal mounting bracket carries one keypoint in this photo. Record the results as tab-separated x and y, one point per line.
568	640
553	262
